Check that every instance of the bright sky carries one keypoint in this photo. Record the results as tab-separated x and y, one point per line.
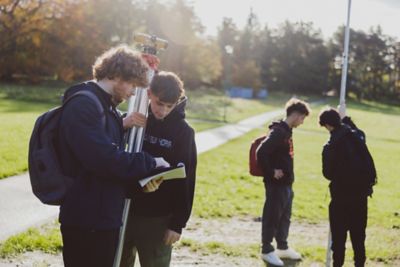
326	15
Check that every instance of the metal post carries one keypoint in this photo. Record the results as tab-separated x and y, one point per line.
329	251
227	82
137	103
342	103
150	45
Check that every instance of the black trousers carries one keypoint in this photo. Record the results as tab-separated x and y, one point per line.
348	214
276	216
89	248
144	236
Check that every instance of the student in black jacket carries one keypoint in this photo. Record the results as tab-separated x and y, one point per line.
347	163
275	157
156	219
92	152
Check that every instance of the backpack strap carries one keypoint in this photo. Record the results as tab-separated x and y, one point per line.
95	100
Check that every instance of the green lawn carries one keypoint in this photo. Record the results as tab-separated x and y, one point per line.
225	189
19	108
17	119
209	109
21	105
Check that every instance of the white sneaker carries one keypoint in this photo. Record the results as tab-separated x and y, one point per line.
288	254
272	258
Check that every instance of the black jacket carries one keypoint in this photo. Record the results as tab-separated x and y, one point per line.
95	157
173	139
276	152
347	163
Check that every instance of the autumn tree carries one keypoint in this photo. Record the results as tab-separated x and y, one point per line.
23	28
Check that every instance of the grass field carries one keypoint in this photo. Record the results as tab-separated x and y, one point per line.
226	191
21	105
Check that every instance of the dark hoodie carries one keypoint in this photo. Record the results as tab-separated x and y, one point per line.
347	163
276	152
94	156
173	139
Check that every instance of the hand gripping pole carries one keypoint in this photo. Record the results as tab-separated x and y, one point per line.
150	45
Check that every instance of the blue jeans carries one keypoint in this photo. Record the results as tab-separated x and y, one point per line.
276	216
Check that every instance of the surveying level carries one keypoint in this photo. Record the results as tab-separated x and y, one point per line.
150	44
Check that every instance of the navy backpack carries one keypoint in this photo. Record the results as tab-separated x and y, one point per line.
48	182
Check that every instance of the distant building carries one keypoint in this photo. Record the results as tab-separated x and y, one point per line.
248	93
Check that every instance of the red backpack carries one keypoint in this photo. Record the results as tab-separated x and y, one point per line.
254	169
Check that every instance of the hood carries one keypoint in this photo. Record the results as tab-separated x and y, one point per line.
72	90
338	134
88	85
281	124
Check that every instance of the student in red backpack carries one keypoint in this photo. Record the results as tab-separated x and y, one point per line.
275	157
92	153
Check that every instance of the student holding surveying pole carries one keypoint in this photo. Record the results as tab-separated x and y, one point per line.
91	150
156	220
347	163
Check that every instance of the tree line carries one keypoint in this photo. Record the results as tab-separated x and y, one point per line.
59	39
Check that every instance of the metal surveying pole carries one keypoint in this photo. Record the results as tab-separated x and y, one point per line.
150	45
342	105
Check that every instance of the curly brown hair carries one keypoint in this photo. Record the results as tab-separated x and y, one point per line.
124	63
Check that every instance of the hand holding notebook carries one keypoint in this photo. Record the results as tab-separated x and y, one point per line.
177	172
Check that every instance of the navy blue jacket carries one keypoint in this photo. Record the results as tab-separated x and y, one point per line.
94	155
276	152
173	139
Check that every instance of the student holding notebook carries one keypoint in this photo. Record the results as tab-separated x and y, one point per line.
156	219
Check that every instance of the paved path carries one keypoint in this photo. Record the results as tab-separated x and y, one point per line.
20	209
214	137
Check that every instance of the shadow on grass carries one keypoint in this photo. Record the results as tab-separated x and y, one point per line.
28	98
376	107
371	106
18	106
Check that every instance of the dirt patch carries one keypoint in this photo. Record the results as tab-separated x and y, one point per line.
33	259
235	232
247	230
184	257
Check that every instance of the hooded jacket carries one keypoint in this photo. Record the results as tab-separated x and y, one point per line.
347	163
276	152
173	139
94	156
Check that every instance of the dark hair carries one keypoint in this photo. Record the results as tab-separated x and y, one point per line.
331	117
297	105
167	86
124	63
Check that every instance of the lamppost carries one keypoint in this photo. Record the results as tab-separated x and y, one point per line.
228	49
342	103
397	67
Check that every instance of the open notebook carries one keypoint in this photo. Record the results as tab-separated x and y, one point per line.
177	172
